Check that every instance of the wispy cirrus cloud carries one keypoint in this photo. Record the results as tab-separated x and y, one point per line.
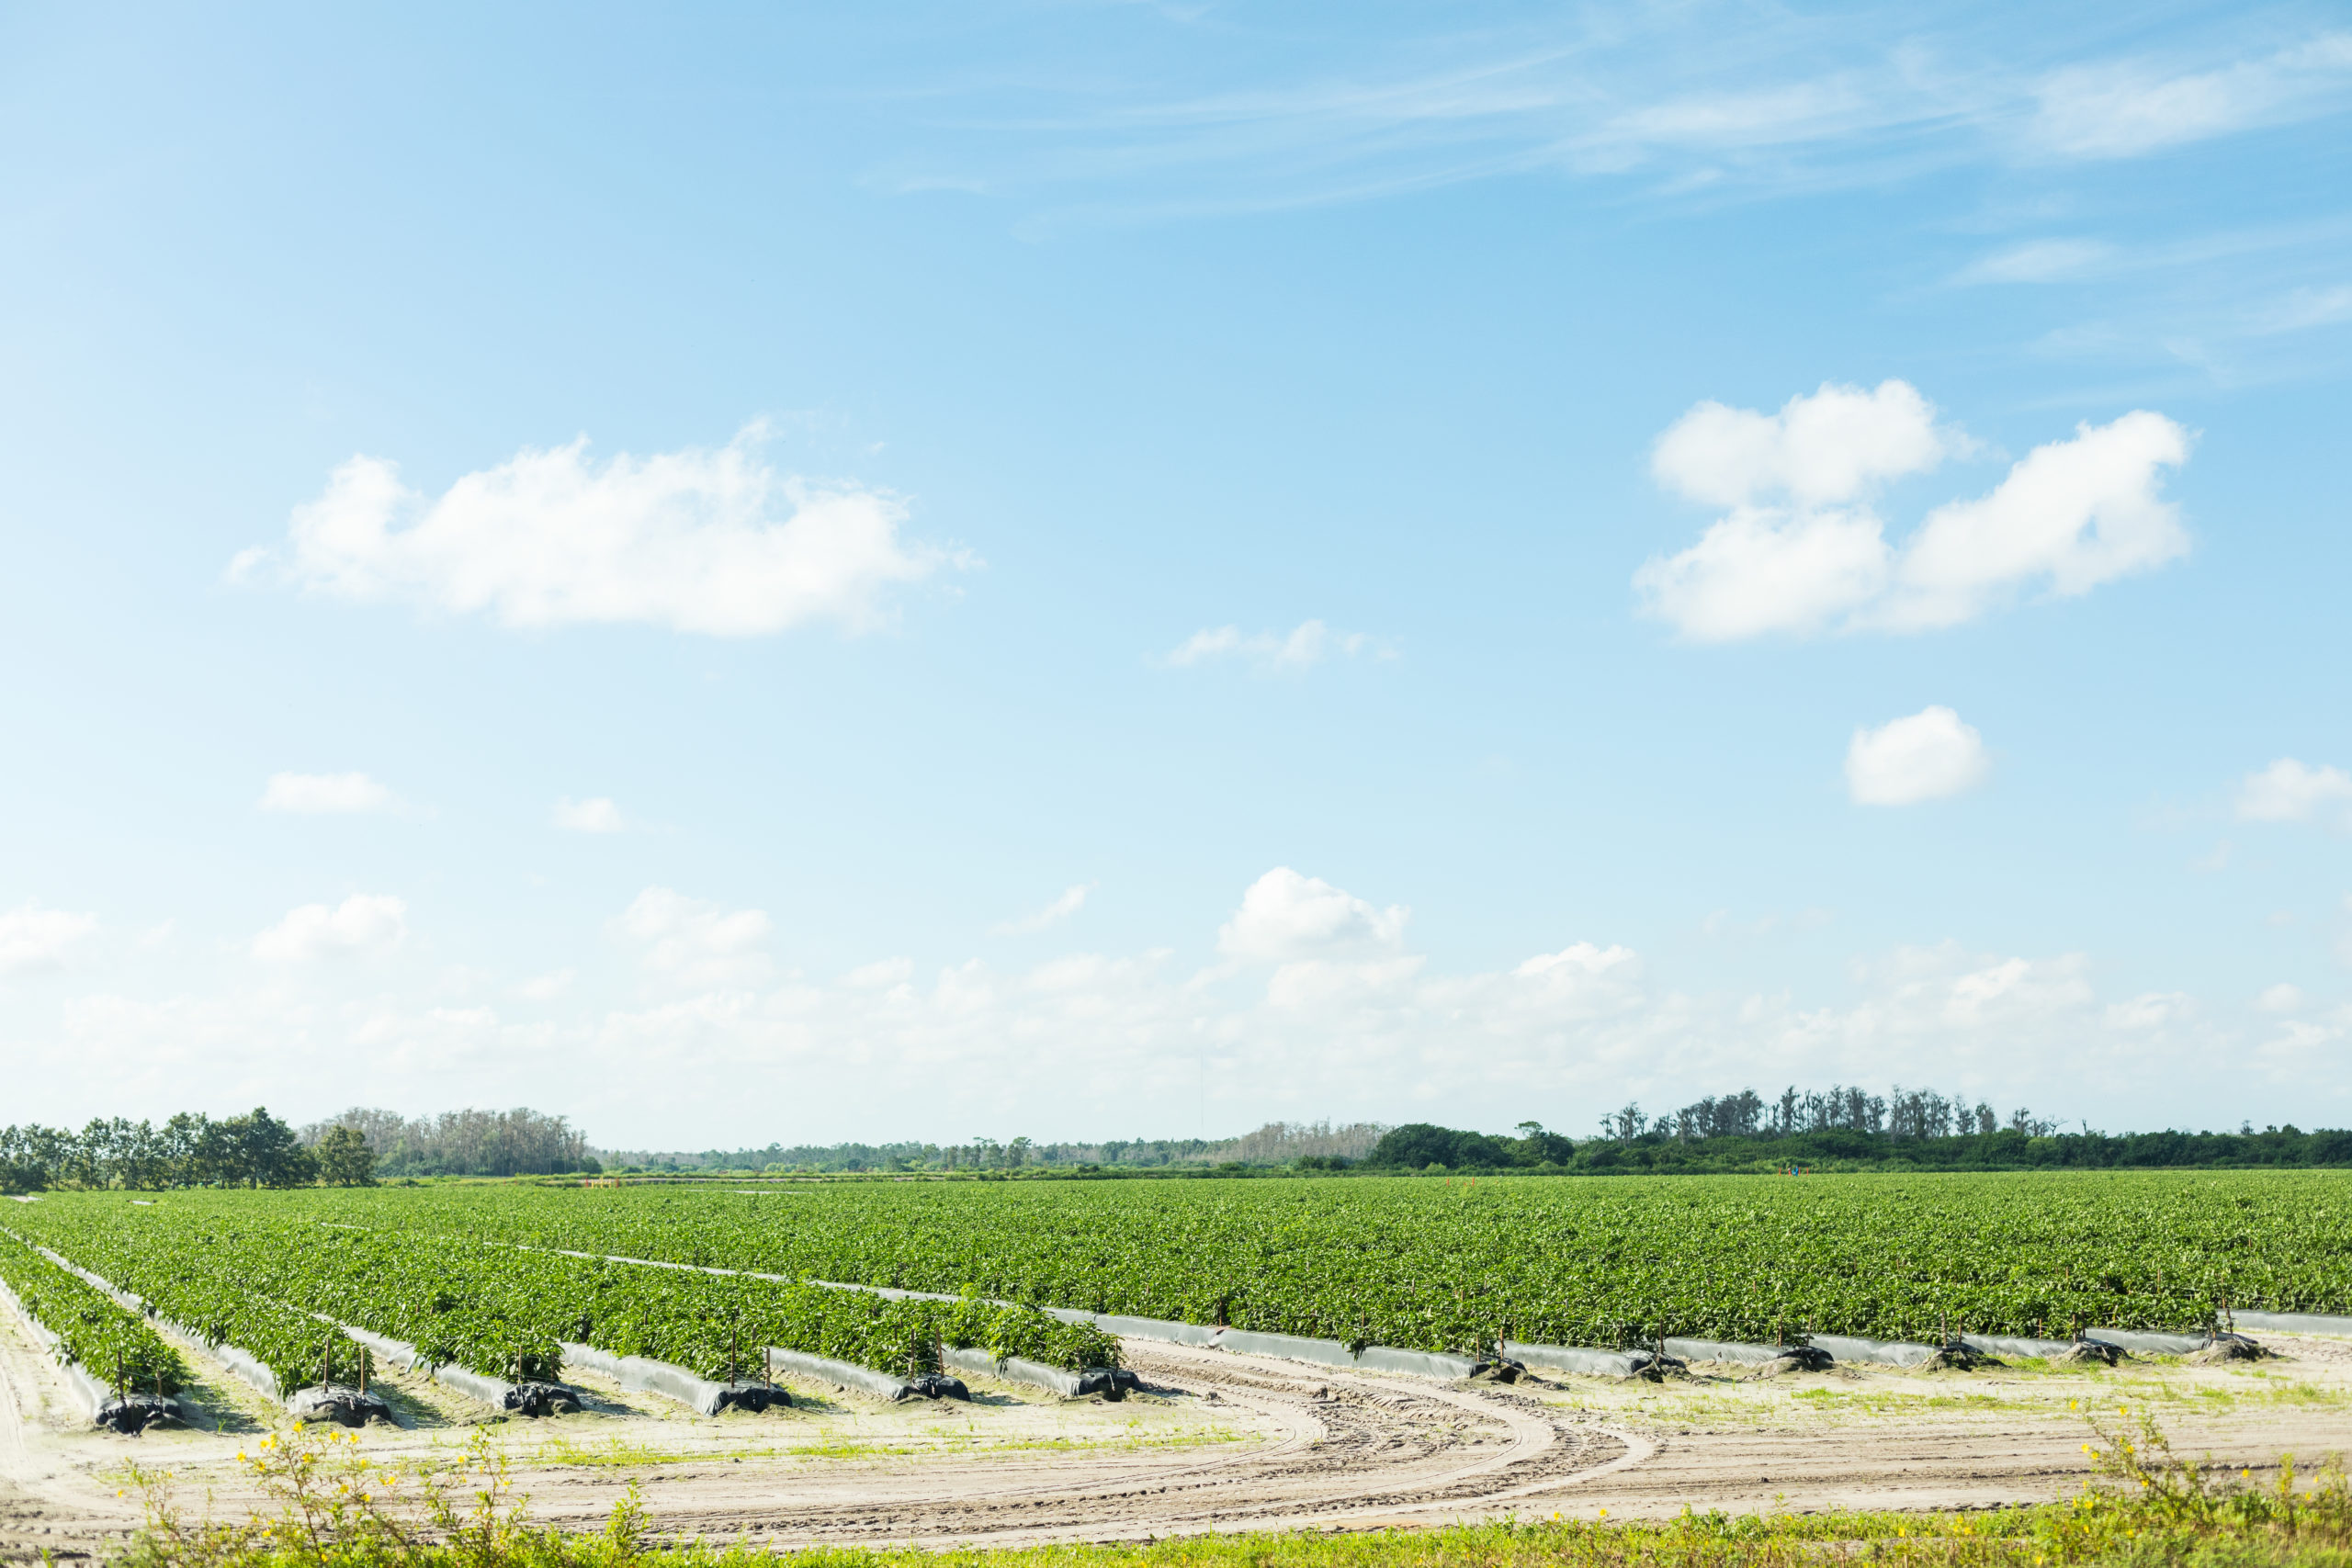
2124	109
1681	98
1307	645
1068	903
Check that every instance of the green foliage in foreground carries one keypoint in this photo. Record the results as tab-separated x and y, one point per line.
331	1508
113	1344
206	1288
237	1270
1435	1265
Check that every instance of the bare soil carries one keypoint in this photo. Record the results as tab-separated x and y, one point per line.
1218	1442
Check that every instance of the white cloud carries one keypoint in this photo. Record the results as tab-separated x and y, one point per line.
2121	109
1309	644
34	937
2289	791
2078	512
2009	989
547	988
1577	962
325	793
1927	756
363	923
594	815
882	974
713	541
697	942
2072	514
1346	1022
1284	915
1060	910
2308	307
2280	998
2150	1009
1762	570
1833	446
2038	260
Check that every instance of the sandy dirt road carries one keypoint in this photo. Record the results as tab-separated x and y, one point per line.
1223	1442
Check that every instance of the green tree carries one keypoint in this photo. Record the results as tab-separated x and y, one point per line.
255	1150
345	1159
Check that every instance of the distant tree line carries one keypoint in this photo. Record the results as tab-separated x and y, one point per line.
258	1150
189	1150
521	1142
979	1154
1845	1129
1315	1144
1905	1114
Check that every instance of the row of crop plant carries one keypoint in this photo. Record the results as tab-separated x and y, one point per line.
265	1282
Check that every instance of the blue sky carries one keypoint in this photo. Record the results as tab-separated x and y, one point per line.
1124	570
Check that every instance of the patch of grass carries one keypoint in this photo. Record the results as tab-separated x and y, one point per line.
621	1453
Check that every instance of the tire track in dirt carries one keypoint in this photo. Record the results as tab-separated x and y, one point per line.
1339	1447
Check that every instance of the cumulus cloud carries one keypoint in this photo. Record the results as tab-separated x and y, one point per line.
2289	791
1309	644
1060	910
1346	1022
1366	1028
2149	1011
1833	446
547	988
697	942
1927	756
2124	108
713	541
595	815
362	924
2077	513
2280	998
1960	990
34	937
323	795
1762	570
1285	916
1801	550
882	974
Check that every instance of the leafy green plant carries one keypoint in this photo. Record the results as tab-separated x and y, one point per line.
112	1343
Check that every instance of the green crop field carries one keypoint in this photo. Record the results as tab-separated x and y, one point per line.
1415	1262
272	1274
112	1343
